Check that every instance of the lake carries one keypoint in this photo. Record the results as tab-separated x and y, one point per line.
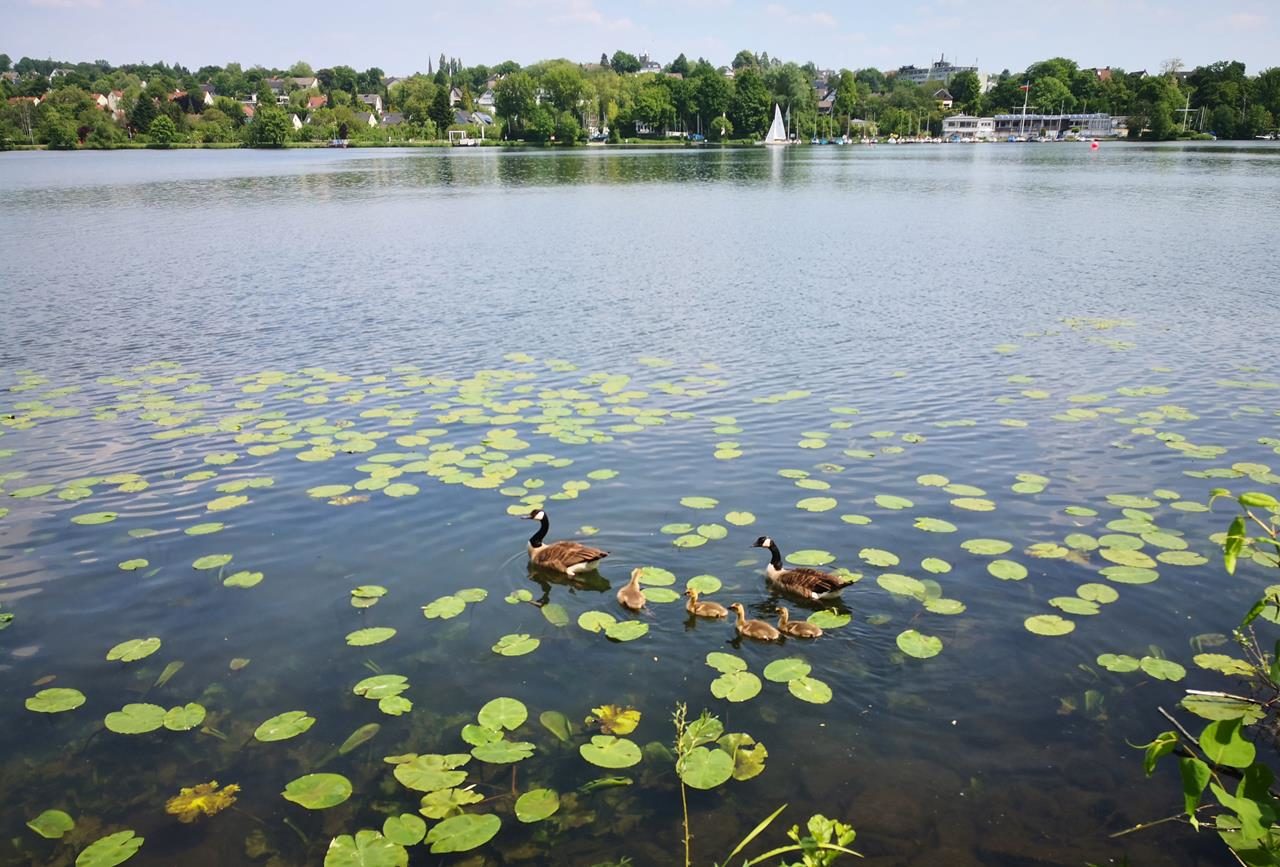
239	386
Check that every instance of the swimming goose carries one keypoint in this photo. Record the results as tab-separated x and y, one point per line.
571	558
796	628
756	629
805	583
630	595
703	609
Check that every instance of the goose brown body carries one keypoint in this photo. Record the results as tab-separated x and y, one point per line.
703	609
757	629
630	595
805	583
796	628
571	558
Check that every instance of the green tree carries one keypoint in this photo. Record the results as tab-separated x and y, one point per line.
966	90
270	127
58	130
301	69
441	113
162	130
1050	95
142	112
680	65
744	59
567	129
514	96
751	108
564	85
624	63
711	92
721	128
540	124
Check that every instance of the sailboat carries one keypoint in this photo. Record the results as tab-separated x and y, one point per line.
777	134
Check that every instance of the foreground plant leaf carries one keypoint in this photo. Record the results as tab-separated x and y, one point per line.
111	850
366	849
318	791
52	824
204	799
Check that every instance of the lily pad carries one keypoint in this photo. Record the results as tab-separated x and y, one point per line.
516	644
556	723
1162	669
58	699
879	557
463	833
52	824
1074	605
692	540
626	630
318	791
829	619
536	805
184	717
699	502
726	663
90	519
890	501
736	686
817	504
704	768
1100	593
1118	662
654	576
134	564
369	848
1048	624
935	565
704	584
810	689
503	713
596	621
284	726
1007	570
133	649
370	635
986	547
110	850
919	645
211	561
608	751
444	608
810	557
503	752
902	585
432	773
973	504
135	719
243	579
204	529
934	525
740	519
785	670
443	803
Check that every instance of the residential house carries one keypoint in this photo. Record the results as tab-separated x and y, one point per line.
679	76
10	76
455	96
276	85
209	93
115	99
940	70
966	127
33	101
648	64
250	110
366	118
99	100
491	83
391	81
827	101
392	118
482	118
315	102
1102	74
305	82
943	98
296	121
373	100
486	99
59	72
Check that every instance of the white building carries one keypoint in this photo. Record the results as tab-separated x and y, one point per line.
966	127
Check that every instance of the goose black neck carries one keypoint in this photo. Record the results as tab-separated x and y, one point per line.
776	556
536	539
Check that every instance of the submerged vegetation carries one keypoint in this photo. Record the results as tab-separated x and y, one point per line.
414	760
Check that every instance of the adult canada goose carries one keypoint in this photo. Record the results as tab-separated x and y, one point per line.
796	628
571	558
756	629
630	595
703	609
805	583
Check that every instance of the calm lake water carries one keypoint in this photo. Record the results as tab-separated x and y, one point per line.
198	338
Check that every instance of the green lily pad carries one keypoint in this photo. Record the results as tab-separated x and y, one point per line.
736	686
463	833
204	529
432	773
932	480
472	594
243	579
1182	558
935	525
369	848
810	557
902	585
133	565
211	561
1126	557
1007	570
444	608
556	723
704	584
939	605
919	645
1130	575
692	540
92	518
740	519
935	565
973	504
1074	605
817	504
1162	669
318	791
503	713
30	491
58	699
443	803
1048	624
785	670
503	752
135	719
370	635
596	621
986	547
703	768
133	649
699	502
829	619
536	805
110	850
328	492
810	689
654	576
608	751
1118	662
1081	542
676	529
879	557
184	717
555	614
890	501
222	504
661	595
516	644
1100	593
284	726
52	824
725	663
626	630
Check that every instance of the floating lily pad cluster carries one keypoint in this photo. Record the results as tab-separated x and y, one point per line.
737	684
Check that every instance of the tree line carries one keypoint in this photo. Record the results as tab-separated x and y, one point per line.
564	101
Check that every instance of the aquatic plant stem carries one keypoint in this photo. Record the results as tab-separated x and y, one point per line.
1142	826
684	803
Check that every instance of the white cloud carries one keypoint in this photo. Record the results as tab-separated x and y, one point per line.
819	18
66	4
585	12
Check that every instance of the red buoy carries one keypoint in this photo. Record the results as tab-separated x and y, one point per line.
1093	146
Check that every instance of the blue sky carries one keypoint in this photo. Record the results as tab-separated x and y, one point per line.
399	35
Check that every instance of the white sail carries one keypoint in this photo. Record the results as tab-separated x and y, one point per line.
777	134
